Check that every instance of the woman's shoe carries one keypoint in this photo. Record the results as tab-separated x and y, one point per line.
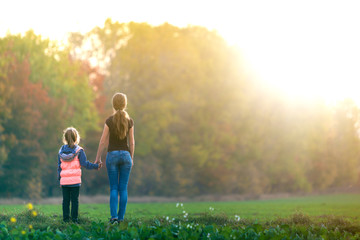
113	221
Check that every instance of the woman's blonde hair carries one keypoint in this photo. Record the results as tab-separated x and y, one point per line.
121	117
71	137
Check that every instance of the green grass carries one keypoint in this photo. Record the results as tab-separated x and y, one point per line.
314	217
344	205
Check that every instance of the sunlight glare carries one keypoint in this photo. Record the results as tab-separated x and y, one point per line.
303	50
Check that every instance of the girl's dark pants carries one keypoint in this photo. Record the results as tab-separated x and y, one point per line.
70	194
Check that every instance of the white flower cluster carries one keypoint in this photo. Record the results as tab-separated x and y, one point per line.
189	226
211	209
168	219
179	204
237	218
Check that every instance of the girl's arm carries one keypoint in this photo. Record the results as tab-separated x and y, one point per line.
59	168
85	163
132	143
103	144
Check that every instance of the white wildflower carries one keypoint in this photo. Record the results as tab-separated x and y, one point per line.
237	218
177	205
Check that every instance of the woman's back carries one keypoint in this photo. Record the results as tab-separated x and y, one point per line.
115	143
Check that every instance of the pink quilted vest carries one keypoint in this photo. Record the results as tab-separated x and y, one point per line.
70	170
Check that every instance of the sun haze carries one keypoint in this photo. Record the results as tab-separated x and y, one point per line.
303	48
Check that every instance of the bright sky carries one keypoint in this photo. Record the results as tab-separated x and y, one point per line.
306	48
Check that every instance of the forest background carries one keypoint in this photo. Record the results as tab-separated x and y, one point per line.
203	123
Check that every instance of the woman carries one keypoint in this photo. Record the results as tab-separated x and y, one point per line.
118	138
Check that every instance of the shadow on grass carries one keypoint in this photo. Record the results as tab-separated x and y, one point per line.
329	222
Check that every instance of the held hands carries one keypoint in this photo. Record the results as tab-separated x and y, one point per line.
98	161
100	165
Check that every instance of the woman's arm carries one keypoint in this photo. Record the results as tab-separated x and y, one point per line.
103	144
132	143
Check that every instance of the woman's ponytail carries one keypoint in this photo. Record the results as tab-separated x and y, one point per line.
121	117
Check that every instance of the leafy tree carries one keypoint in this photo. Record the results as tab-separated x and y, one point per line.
46	92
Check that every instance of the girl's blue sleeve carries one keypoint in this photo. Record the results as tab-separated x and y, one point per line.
59	167
85	163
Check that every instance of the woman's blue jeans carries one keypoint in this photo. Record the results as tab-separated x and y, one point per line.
118	164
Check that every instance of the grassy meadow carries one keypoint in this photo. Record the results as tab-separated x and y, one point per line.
308	217
345	205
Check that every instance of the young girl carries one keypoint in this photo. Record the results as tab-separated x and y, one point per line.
70	159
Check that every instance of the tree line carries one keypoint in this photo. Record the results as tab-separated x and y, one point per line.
203	125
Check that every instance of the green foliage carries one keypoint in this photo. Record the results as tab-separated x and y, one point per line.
157	229
44	92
